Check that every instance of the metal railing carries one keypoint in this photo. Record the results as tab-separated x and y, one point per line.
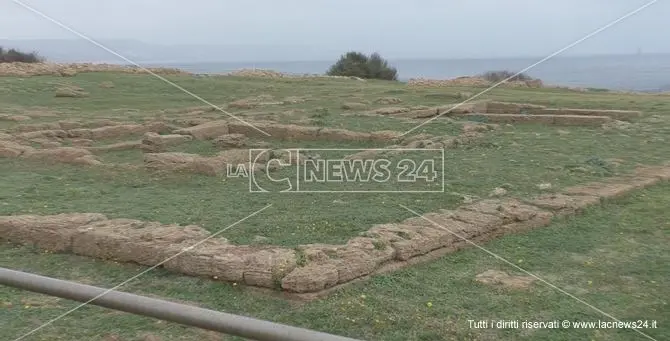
245	327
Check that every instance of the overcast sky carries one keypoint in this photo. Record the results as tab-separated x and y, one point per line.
396	28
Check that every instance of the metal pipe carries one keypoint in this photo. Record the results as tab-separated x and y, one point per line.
168	311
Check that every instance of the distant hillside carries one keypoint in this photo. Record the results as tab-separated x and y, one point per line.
61	50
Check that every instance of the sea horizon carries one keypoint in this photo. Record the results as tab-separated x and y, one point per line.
626	72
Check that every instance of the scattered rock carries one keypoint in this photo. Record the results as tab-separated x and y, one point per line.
106	85
494	277
615	162
261	240
293	100
544	186
388	100
73	92
498	192
242	104
616	125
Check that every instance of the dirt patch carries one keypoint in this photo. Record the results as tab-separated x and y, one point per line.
293	100
661	172
259	101
500	278
72	92
602	190
243	104
67	125
563	204
106	85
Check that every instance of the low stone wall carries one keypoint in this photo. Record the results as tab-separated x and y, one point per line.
563	120
211	130
314	267
507	112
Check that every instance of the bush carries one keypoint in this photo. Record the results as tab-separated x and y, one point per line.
14	56
356	64
499	76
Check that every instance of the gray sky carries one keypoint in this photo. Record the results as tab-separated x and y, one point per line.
396	28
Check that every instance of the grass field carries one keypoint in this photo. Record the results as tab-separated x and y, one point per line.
614	257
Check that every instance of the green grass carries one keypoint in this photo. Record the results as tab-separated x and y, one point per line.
624	243
612	257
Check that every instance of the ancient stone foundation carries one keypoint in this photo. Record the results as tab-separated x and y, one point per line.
311	268
504	112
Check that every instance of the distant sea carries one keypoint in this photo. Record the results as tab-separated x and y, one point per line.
642	72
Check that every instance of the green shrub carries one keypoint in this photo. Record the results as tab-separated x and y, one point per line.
14	56
499	76
356	64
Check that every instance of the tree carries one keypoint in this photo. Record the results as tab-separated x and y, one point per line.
13	56
357	64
